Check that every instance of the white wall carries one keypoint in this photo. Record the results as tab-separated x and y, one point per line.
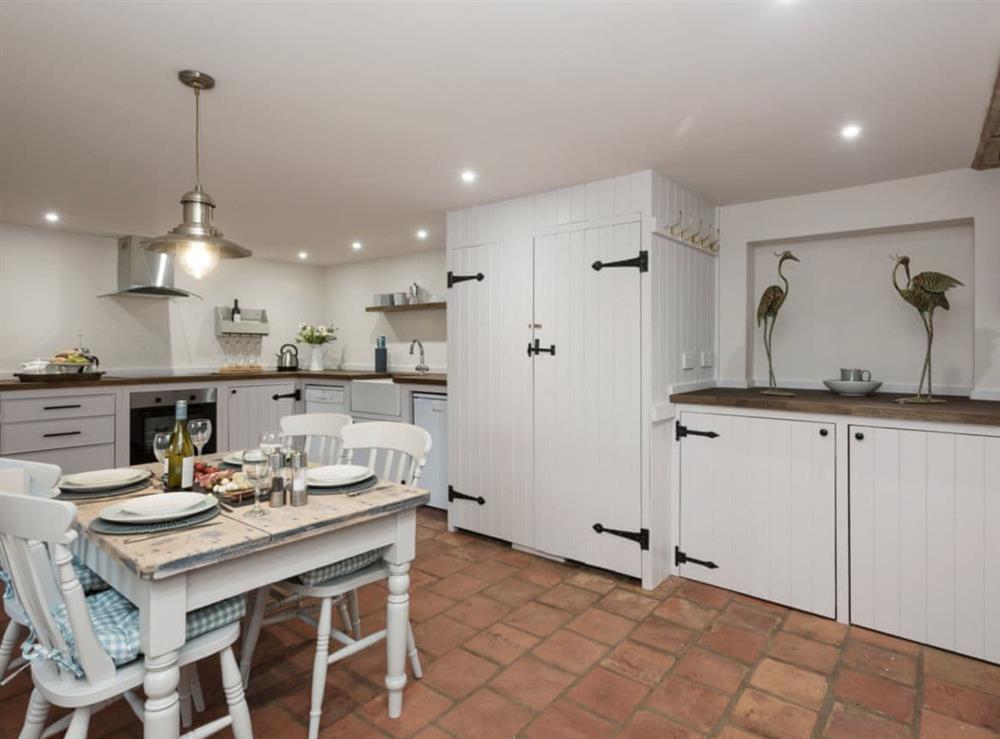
841	310
348	288
947	196
50	279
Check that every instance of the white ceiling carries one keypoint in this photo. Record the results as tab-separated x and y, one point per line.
336	122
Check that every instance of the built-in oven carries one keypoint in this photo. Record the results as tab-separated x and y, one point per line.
152	413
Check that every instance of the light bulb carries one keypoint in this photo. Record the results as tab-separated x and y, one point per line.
851	131
52	217
468	176
199	258
422	234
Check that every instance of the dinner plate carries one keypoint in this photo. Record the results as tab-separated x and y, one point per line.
157	510
335	475
234	458
98	480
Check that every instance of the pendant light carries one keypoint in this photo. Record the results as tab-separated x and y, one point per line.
196	242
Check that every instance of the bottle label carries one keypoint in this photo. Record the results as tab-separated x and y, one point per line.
187	473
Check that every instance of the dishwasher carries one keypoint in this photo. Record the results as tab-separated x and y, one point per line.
326	399
430	412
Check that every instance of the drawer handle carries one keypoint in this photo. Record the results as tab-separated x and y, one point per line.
61	407
859	436
62	433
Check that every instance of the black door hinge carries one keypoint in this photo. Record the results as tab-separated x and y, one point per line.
641	261
454	279
455	495
680	558
680	431
537	349
297	395
641	536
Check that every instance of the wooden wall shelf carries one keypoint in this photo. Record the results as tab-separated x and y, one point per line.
404	308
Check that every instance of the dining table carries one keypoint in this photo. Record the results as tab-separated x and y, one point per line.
169	574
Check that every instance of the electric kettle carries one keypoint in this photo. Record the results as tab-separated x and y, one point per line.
288	358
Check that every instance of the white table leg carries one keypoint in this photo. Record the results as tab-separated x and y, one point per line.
162	611
397	622
162	715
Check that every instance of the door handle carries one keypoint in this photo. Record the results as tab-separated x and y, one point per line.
537	349
62	433
297	395
61	407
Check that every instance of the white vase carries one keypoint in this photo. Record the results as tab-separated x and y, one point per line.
316	358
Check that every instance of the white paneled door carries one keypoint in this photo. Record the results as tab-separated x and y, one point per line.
489	387
587	396
254	409
757	501
925	537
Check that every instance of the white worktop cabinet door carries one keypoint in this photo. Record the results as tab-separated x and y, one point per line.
759	501
489	390
587	397
925	537
252	410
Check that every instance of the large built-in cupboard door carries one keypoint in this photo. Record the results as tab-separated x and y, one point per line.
925	537
587	397
489	389
758	501
254	409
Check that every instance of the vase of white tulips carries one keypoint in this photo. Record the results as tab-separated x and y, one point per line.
317	337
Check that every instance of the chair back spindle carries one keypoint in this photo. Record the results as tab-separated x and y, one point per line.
321	433
403	449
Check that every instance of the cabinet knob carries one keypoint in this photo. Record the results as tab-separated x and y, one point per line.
859	436
233	391
824	432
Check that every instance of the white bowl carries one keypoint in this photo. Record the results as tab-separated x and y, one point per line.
853	388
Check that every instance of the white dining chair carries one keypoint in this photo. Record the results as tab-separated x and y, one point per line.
396	452
84	650
321	434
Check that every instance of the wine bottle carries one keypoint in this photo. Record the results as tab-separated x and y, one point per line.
237	314
180	455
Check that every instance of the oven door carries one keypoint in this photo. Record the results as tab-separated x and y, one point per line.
145	423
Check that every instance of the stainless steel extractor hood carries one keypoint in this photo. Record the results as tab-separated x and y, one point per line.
144	273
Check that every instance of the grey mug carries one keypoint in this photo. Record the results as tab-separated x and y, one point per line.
855	375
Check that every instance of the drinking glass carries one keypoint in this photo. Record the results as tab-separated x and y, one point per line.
161	443
258	473
271	442
200	430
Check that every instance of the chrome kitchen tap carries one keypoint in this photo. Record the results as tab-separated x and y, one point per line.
421	367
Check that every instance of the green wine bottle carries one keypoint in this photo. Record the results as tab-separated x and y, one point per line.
180	455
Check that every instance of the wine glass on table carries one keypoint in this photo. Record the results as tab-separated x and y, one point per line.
200	430
161	443
257	469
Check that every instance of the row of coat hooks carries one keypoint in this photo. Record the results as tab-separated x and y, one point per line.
692	235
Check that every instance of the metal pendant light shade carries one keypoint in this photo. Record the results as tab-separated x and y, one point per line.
196	242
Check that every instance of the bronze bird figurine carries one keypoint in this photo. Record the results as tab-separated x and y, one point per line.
767	313
925	292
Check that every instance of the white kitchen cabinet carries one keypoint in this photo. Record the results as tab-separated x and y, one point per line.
758	501
430	412
925	537
586	406
491	429
254	409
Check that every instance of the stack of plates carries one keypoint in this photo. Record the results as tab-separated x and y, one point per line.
234	458
100	483
340	477
159	512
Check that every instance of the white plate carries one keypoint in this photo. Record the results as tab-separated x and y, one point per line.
98	480
153	510
234	458
853	388
336	474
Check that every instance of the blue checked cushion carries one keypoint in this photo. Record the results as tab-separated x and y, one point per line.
116	622
89	581
339	569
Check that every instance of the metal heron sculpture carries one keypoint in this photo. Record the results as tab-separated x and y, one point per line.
925	292
767	313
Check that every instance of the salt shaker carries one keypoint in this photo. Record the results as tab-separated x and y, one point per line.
299	463
277	463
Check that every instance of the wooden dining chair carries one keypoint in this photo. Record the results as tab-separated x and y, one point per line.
321	434
84	650
396	452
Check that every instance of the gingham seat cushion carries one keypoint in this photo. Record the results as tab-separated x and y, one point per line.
116	622
338	569
89	581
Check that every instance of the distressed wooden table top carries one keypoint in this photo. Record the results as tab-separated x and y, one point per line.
233	535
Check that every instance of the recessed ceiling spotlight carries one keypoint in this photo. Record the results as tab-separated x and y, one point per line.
52	217
851	131
303	255
468	176
356	246
422	233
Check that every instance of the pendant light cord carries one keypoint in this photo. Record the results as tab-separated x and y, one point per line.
197	137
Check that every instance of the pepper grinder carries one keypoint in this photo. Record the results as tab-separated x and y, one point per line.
298	461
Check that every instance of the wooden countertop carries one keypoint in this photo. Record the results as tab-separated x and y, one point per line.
112	380
880	405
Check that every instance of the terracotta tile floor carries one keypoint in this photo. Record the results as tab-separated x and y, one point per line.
514	645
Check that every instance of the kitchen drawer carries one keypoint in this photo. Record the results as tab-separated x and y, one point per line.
57	406
37	436
76	459
380	397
